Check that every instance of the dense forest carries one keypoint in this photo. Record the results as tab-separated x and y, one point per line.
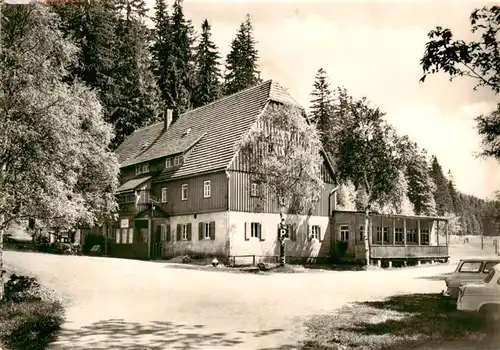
138	70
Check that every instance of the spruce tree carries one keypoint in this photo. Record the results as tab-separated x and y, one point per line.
420	185
241	62
92	28
208	87
181	72
137	98
162	50
441	193
321	105
114	59
454	194
132	9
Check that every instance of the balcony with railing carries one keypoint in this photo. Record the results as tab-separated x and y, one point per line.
134	202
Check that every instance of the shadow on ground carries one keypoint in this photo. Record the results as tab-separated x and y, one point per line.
118	334
440	277
400	322
334	267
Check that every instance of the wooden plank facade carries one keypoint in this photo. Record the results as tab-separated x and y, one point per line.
248	196
196	201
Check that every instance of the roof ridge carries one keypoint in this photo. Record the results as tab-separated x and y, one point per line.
275	85
213	102
228	96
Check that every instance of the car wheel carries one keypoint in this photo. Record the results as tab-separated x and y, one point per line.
491	314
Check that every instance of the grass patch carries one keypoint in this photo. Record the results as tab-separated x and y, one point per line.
28	321
398	322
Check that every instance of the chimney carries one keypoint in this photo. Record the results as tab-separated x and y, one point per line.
167	115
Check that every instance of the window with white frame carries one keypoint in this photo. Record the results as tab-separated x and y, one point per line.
379	234
411	235
424	236
399	234
184	192
164	193
344	232
142	168
386	234
117	235
163	230
361	233
206	189
254	229
124	235
254	189
168	162
270	148
315	231
184	232
178	160
206	233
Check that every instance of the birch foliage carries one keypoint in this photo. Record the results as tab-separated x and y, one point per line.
283	153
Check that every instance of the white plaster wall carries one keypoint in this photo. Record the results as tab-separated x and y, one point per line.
216	247
301	247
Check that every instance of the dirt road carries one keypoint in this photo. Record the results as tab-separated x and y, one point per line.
129	304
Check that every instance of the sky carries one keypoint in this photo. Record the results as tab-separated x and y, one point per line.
373	49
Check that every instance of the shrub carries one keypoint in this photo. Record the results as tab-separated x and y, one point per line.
27	321
21	288
29	324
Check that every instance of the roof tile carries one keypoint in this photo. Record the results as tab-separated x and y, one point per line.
216	129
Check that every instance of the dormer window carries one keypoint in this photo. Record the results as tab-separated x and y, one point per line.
178	160
168	162
142	168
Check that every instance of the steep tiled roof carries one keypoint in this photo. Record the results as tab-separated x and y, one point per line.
215	130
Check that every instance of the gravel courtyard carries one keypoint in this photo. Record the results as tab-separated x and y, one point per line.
129	304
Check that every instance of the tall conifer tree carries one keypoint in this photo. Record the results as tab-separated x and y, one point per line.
162	50
321	105
420	185
208	73
441	194
241	62
181	75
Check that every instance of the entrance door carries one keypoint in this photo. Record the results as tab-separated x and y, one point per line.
342	240
156	241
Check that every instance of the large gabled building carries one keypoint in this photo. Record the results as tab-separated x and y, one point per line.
184	189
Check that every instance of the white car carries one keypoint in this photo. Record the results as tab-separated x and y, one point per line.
469	270
483	296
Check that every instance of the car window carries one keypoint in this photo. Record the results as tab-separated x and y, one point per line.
489	276
489	265
471	266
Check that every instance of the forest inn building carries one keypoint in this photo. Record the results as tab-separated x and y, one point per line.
184	190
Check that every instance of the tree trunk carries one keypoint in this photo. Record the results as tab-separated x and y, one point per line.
282	244
367	237
1	258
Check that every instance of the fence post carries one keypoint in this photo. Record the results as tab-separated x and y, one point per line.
253	256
